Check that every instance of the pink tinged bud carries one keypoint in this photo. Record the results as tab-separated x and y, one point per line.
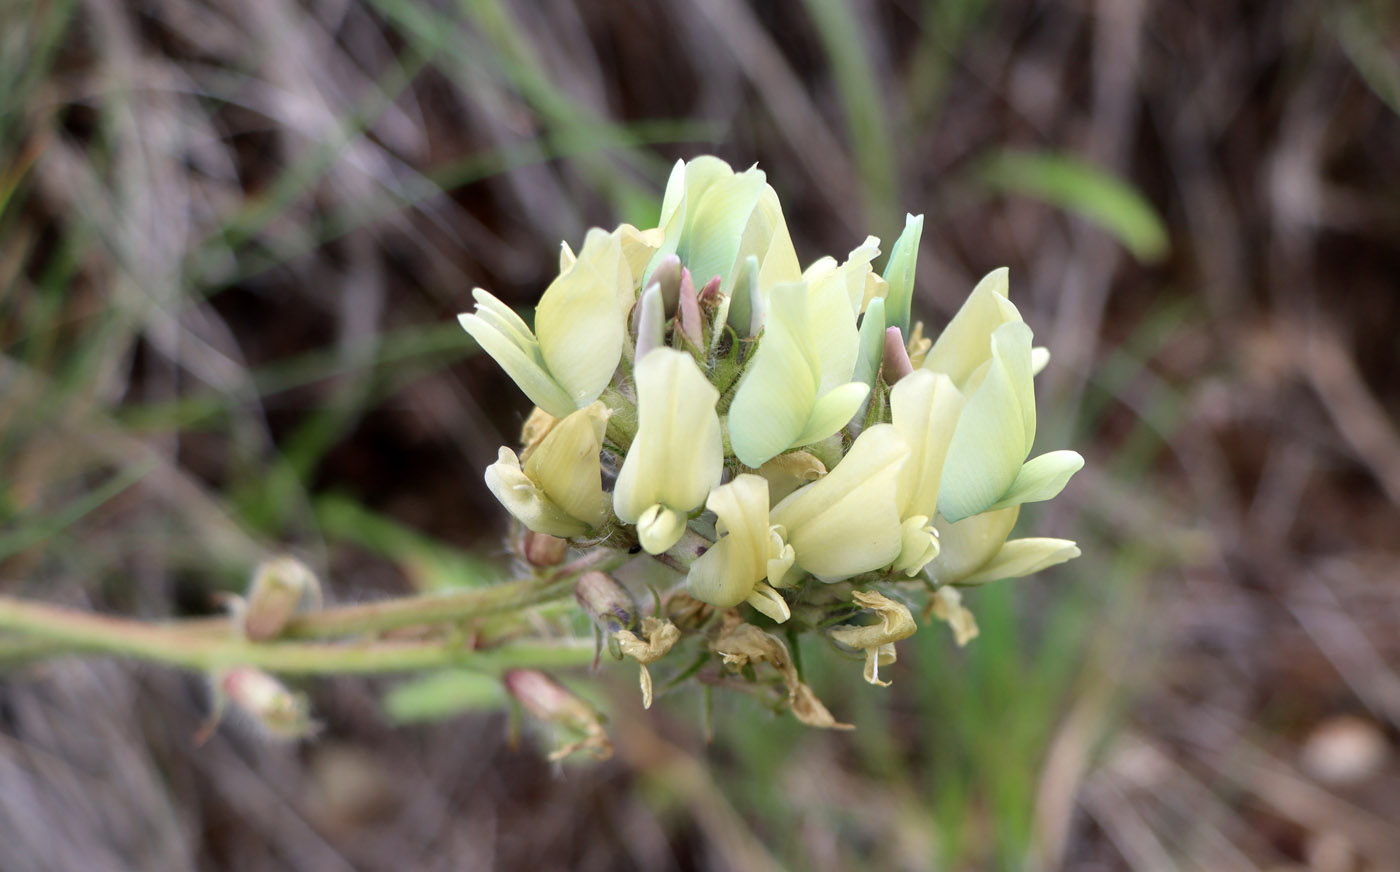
551	702
671	278
281	712
710	292
897	364
282	587
609	604
543	550
688	312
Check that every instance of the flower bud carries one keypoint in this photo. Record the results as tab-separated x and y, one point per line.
543	550
607	603
281	712
552	703
282	587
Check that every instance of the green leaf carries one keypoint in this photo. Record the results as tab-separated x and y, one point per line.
1090	192
441	695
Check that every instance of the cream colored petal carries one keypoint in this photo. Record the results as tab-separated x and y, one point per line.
924	407
578	322
1040	358
1021	557
993	434
847	522
659	528
918	545
509	483
567	466
678	453
969	544
963	345
767	237
502	334
726	574
711	580
831	322
769	602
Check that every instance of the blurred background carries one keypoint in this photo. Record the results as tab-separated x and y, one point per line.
234	237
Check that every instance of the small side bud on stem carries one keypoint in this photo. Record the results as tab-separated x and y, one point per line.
607	603
543	551
278	711
552	703
282	587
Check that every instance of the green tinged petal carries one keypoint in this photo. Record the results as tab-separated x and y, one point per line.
899	273
715	218
993	435
775	397
847	523
1042	478
790	395
832	411
872	343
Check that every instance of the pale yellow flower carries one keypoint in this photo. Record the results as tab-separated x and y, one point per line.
848	522
749	549
677	455
559	490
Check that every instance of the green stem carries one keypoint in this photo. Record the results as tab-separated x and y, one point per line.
208	644
173	645
442	608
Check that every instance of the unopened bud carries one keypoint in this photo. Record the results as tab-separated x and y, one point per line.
279	711
608	603
282	587
687	612
897	363
552	703
688	312
543	550
669	276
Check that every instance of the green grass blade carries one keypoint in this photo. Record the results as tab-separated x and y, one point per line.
1092	193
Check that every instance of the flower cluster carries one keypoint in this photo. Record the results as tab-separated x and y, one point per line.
779	435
